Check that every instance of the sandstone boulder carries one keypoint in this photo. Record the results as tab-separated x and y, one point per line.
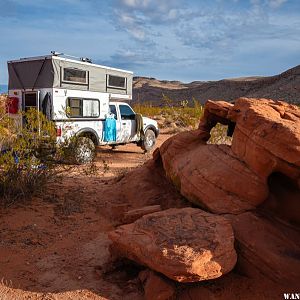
211	176
267	247
186	245
134	214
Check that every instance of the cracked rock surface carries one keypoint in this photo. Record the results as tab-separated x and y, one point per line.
186	244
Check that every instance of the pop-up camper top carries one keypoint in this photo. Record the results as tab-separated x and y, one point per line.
79	97
36	79
54	71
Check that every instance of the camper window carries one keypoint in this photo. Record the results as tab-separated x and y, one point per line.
116	82
83	108
75	76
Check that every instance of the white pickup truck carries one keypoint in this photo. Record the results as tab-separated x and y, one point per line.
79	97
90	133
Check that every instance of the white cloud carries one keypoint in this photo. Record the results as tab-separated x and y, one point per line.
136	3
276	3
138	17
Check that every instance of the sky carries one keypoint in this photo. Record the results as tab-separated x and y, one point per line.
172	39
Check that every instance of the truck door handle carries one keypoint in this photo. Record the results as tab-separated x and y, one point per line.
123	123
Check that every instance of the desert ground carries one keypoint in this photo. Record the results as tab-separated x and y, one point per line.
55	245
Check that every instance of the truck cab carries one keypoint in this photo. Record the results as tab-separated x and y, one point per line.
127	126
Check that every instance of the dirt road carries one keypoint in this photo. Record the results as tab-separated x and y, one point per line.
123	158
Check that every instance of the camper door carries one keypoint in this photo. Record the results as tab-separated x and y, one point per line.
31	100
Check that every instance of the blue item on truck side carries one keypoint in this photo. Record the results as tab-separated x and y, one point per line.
110	130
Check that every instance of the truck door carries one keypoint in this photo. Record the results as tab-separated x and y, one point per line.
127	130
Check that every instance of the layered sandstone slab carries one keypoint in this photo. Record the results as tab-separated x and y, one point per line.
222	179
211	176
267	136
267	247
186	245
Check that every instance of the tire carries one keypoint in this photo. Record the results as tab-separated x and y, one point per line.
149	140
84	151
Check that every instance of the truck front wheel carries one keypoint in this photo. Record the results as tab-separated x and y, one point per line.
149	140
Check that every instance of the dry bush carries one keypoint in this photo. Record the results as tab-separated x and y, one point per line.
182	117
218	135
6	125
173	117
26	157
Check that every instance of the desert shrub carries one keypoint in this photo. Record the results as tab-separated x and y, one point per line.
184	115
219	135
147	109
26	159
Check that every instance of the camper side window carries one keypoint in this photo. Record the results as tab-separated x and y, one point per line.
116	82
75	76
83	108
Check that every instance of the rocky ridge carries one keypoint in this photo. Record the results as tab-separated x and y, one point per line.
285	86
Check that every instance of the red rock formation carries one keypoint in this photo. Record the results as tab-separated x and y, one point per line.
259	172
186	245
156	287
215	112
267	136
211	176
266	139
267	247
134	214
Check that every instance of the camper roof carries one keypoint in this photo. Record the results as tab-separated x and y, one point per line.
67	60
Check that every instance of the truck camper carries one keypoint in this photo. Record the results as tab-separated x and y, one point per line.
83	99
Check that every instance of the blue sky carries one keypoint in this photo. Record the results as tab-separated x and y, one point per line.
175	39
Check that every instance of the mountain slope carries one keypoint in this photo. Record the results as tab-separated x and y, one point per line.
285	86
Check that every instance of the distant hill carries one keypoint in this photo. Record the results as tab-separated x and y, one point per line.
285	86
3	88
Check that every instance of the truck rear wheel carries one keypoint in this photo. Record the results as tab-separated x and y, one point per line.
85	150
149	140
